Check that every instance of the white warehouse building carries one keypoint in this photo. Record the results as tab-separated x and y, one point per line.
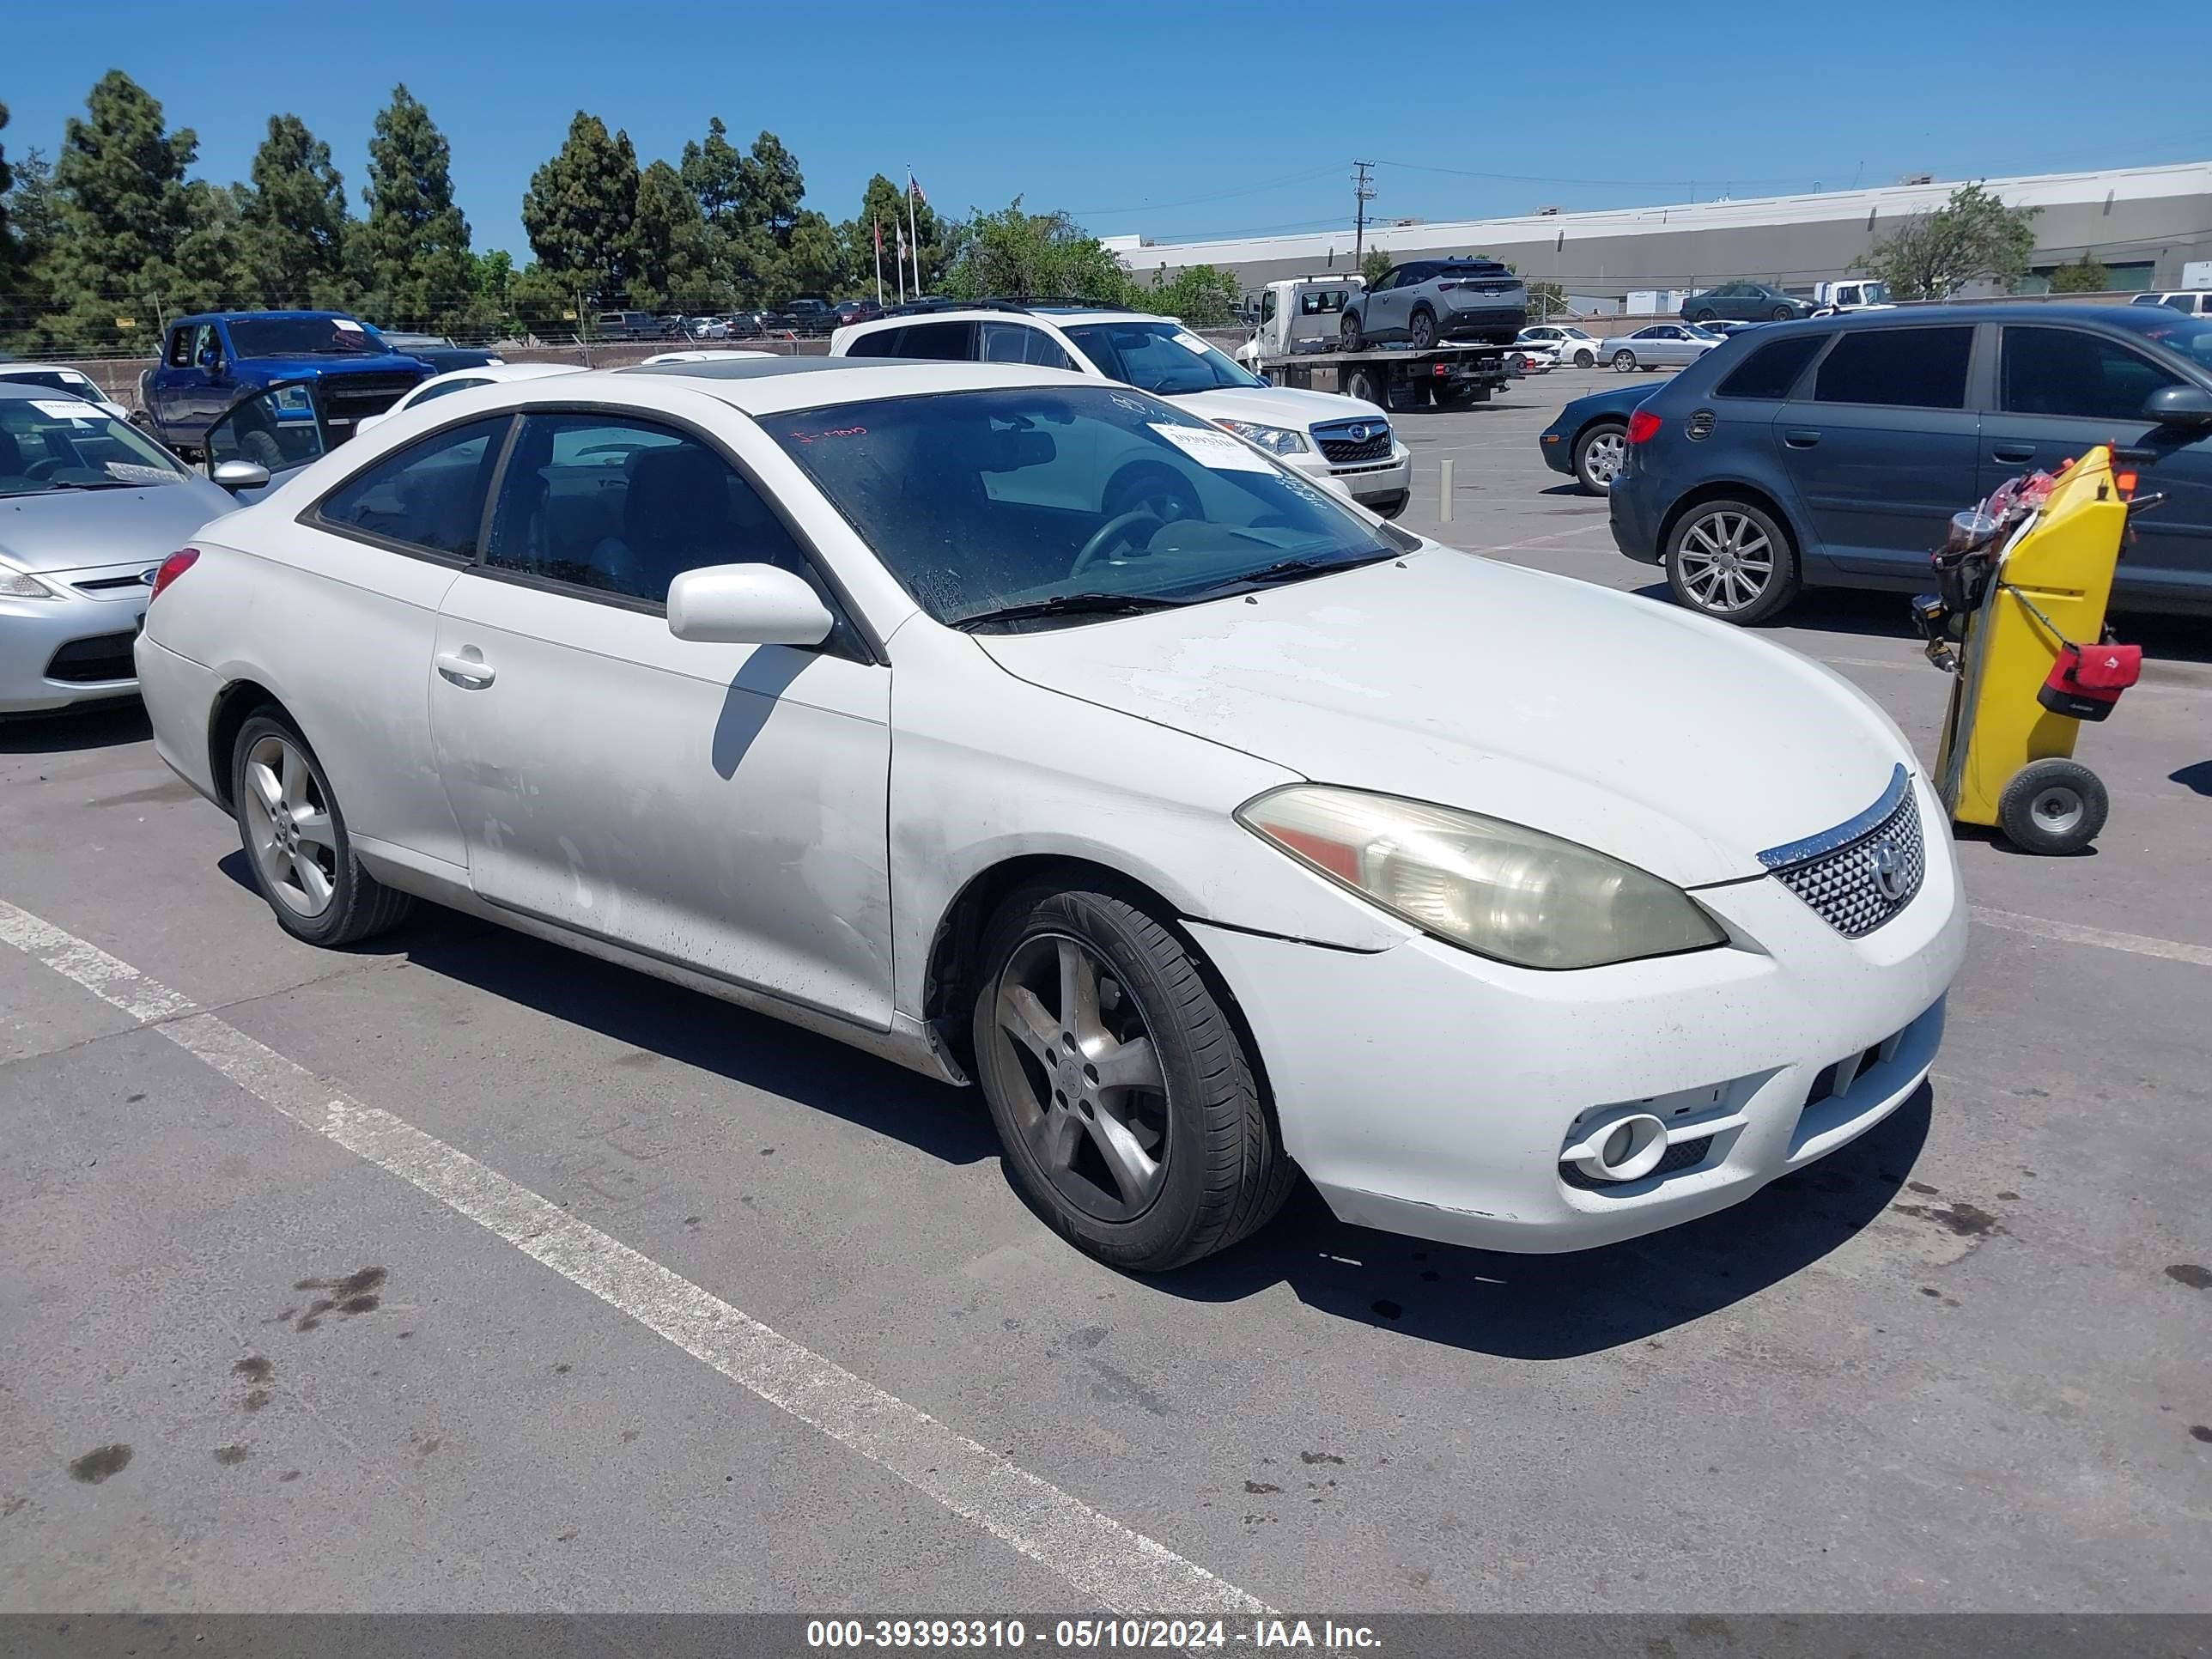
2143	224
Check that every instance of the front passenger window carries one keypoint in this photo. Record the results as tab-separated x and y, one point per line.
623	506
2064	371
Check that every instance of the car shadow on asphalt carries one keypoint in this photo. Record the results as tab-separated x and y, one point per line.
1559	1307
109	727
654	1016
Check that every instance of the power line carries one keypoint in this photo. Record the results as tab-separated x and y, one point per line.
1197	201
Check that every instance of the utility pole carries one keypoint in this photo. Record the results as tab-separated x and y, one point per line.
1363	192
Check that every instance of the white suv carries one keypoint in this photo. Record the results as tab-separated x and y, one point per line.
1341	439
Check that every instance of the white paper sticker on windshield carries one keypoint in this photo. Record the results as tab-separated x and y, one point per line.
1215	449
1189	343
67	409
346	325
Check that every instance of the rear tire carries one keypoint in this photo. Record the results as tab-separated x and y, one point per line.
1422	331
1730	560
1705	316
1624	361
1145	1176
1783	313
2053	807
1456	397
1368	386
295	839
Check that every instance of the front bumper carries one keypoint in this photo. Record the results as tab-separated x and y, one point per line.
1373	483
1558	452
60	652
1430	1091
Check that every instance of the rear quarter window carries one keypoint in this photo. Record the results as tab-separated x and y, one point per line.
1771	369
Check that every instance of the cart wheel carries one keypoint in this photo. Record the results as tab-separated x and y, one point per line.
2052	806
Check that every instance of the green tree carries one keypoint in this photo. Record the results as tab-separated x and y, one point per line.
124	214
770	188
1016	254
214	266
1201	295
884	202
294	220
814	262
411	252
714	171
671	256
1973	235
2086	274
1374	263
11	253
32	216
581	210
545	304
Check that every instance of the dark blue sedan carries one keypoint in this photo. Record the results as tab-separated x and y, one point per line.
1591	435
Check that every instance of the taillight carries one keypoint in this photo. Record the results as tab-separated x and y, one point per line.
1643	426
173	567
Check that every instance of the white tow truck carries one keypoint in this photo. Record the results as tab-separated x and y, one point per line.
1296	340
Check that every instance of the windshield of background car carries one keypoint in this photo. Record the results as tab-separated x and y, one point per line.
1166	358
54	379
2179	332
980	501
303	337
61	443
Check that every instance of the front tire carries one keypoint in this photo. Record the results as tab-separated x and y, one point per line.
1598	455
1130	1112
1730	560
1422	332
1585	358
1349	337
2053	807
1624	361
1783	313
295	839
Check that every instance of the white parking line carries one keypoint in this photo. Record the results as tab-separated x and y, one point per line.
2139	944
1121	1568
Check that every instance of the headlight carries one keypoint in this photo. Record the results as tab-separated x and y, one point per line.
21	585
1495	888
1276	440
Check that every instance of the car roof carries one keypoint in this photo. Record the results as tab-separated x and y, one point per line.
266	316
1967	310
770	385
11	367
1000	311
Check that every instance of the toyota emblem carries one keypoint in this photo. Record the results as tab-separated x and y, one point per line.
1888	870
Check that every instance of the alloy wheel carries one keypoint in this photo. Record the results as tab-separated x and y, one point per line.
291	835
1093	1107
1725	560
1601	458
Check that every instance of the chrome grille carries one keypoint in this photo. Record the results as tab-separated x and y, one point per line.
1344	441
1863	871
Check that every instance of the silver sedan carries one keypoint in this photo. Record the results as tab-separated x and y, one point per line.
1662	345
89	507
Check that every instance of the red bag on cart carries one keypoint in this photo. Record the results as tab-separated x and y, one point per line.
2087	680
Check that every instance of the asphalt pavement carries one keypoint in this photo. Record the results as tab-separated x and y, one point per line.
462	1271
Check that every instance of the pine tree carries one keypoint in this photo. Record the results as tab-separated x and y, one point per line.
296	220
125	213
770	188
411	255
32	227
714	172
671	254
581	210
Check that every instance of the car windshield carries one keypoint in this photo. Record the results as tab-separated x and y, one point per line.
302	336
60	443
54	379
1081	500
1163	357
2176	331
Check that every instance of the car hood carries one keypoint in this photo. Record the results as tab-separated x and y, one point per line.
1678	744
1276	405
305	367
79	529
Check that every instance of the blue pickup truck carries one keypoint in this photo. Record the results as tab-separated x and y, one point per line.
211	363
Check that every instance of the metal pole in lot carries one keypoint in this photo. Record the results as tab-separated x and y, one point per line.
1444	503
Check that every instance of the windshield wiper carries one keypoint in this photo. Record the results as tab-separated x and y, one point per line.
1286	570
103	484
1072	605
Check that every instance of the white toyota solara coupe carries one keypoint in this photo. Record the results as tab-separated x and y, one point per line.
1258	838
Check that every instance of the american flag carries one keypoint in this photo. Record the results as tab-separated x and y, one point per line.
915	184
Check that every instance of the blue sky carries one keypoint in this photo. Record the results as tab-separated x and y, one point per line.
1171	121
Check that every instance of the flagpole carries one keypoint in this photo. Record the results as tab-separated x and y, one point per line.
877	224
913	234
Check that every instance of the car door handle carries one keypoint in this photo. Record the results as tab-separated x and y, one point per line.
469	671
1801	439
2013	452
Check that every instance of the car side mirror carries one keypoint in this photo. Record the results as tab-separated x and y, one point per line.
235	476
746	604
2179	405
